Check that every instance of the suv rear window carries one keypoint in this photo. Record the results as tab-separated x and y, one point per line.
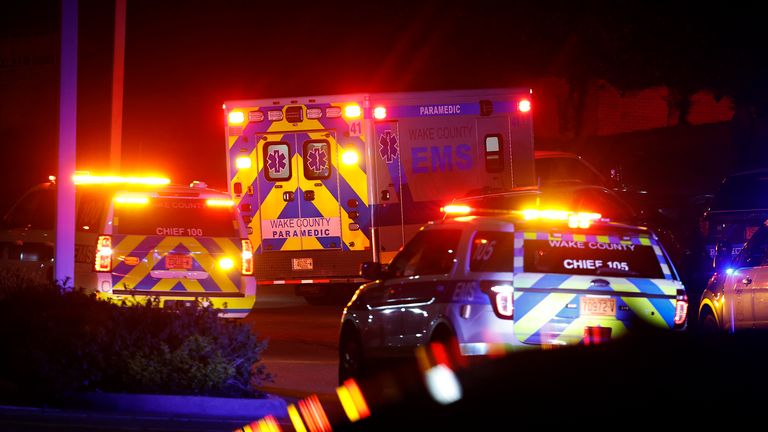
591	258
175	217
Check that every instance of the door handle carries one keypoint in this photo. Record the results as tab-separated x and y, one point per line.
747	280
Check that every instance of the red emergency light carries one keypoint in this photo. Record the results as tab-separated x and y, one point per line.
524	106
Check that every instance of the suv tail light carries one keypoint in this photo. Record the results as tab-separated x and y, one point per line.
247	262
681	308
103	260
502	296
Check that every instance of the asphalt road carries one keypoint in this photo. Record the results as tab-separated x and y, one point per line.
303	343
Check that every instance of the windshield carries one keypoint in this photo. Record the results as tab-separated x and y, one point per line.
175	217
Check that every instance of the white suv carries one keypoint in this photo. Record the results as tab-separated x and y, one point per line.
491	284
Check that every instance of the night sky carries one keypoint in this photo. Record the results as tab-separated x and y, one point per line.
183	59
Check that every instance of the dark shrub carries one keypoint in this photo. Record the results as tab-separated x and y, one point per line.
57	341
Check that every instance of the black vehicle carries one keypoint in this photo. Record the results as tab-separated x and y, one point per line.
737	210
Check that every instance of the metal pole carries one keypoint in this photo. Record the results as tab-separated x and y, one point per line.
118	73
65	214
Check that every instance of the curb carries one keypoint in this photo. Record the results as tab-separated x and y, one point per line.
195	406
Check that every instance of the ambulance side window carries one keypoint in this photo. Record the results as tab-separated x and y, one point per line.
317	159
494	156
277	161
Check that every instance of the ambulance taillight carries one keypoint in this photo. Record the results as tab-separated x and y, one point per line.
380	113
524	105
247	261
103	260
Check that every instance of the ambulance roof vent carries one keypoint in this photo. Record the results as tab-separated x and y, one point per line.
198	184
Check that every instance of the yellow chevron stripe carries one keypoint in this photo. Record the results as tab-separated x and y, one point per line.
541	314
580	237
603	239
642	308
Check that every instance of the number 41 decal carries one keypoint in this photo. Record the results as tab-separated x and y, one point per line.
355	128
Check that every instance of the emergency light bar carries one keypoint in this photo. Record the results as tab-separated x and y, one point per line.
131	199
456	209
574	219
215	202
82	178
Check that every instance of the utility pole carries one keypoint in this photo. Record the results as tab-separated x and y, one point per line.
65	190
118	77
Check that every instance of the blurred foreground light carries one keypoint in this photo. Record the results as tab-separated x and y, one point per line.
295	417
266	424
729	271
313	413
443	385
352	401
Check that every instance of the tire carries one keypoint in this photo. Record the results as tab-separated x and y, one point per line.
708	323
351	358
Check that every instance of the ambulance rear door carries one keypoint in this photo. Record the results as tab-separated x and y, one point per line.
298	191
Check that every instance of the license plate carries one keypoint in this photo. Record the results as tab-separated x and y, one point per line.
302	264
598	306
178	262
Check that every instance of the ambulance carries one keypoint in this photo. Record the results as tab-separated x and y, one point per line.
325	183
139	238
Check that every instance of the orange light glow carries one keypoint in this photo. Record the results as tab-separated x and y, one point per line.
247	257
217	202
357	398
226	263
131	199
380	113
103	259
353	111
349	157
243	162
314	414
236	117
524	106
456	209
295	417
83	178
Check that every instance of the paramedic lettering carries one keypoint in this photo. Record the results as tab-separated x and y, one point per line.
427	110
301	227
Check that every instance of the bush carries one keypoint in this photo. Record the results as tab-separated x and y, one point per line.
58	341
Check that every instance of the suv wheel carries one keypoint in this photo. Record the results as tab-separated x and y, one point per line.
351	360
708	323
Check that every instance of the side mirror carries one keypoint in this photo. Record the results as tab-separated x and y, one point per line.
723	256
371	270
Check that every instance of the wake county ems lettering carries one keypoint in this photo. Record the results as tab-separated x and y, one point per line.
441	158
301	227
